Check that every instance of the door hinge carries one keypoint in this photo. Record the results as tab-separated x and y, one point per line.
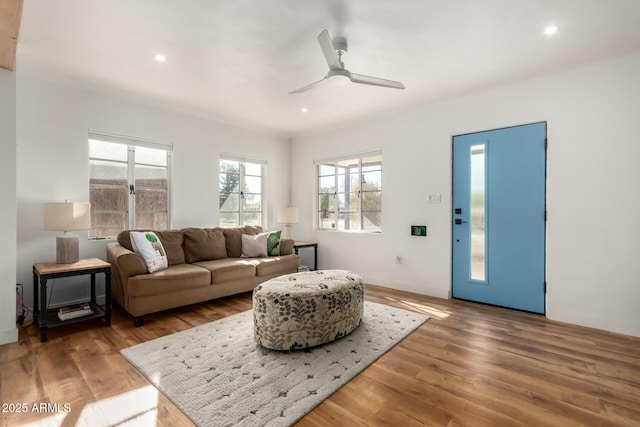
545	286
545	215
546	144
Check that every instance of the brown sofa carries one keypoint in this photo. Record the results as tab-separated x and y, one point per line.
204	263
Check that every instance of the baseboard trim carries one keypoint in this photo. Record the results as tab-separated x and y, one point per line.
9	336
410	287
596	322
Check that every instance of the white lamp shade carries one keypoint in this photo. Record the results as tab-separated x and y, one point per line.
288	215
66	216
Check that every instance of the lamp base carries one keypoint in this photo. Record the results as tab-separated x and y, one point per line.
286	231
67	249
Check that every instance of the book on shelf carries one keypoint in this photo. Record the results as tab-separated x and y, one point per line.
71	312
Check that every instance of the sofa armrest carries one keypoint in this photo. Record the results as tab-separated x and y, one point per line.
286	246
124	264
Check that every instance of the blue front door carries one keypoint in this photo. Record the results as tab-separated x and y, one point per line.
499	217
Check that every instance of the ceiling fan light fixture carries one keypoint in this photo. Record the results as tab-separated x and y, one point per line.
338	80
338	75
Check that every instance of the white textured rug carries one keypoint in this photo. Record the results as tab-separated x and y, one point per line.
218	376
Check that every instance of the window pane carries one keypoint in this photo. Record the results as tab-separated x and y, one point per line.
151	191
253	169
108	188
251	218
229	185
229	166
252	202
328	184
107	150
327	170
151	156
478	267
344	221
151	220
252	184
230	203
107	224
108	172
372	211
229	219
371	181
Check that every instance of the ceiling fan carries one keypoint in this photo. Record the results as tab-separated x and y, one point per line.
333	51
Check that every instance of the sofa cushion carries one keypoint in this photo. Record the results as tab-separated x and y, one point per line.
203	244
233	238
279	264
227	269
171	241
172	279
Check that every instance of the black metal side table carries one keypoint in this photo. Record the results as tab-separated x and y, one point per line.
300	244
43	271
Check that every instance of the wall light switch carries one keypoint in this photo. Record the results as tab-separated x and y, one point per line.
434	198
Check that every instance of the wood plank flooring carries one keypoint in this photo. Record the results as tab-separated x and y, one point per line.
469	365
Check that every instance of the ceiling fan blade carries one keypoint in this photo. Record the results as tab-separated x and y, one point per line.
375	81
311	86
326	44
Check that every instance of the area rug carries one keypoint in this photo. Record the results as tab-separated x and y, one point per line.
218	376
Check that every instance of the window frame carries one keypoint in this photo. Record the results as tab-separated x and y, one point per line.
338	162
242	162
131	144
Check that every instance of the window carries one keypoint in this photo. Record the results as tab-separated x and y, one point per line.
241	191
128	184
350	193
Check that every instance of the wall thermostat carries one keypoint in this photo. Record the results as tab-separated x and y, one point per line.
419	230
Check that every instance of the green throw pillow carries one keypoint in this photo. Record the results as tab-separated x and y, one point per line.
273	243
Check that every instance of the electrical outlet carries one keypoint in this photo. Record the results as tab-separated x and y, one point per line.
434	197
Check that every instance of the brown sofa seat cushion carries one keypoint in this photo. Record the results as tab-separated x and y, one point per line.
227	269
171	242
233	238
172	279
271	265
203	244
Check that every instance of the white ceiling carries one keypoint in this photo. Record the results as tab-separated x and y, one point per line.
236	60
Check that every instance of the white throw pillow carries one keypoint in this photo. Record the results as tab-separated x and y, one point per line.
254	246
147	245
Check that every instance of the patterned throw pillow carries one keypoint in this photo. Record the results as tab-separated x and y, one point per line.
147	245
273	243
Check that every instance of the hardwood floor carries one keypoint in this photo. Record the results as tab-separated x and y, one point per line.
470	364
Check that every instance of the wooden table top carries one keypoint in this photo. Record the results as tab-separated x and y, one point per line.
83	264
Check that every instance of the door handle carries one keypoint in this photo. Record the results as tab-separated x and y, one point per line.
458	221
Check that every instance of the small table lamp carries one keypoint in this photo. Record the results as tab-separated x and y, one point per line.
67	217
287	216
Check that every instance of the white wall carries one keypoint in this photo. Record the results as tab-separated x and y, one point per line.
53	120
8	330
593	190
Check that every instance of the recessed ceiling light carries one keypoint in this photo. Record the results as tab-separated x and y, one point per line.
550	30
304	109
160	57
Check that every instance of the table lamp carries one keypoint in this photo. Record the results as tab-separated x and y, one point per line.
67	217
287	216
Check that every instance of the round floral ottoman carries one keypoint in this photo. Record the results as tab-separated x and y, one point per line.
302	310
